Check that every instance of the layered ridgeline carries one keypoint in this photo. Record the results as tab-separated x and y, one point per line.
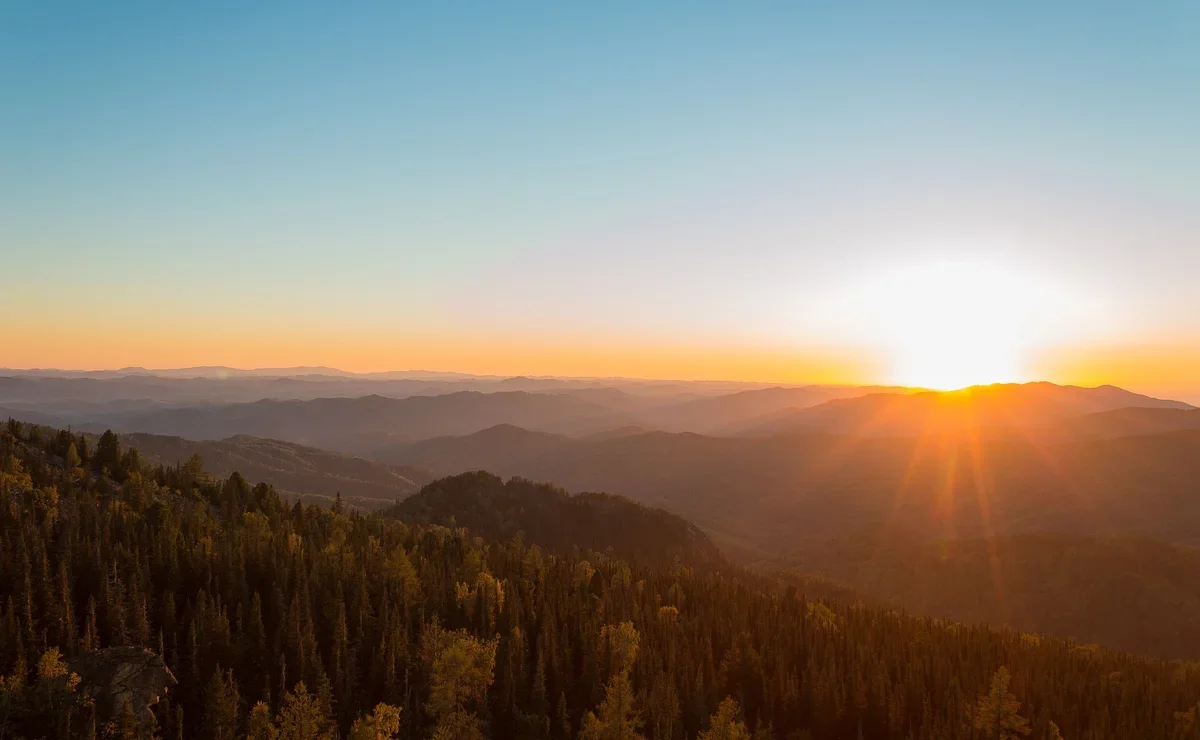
772	495
299	619
360	424
360	413
1091	538
297	471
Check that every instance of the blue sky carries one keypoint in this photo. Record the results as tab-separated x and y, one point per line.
698	171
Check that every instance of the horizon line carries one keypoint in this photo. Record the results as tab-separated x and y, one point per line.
286	371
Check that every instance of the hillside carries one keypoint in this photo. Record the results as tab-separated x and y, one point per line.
494	448
295	470
773	494
360	424
94	397
1124	422
1126	593
735	412
316	617
1081	506
1016	406
557	521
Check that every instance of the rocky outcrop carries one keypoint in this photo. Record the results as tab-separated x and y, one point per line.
118	676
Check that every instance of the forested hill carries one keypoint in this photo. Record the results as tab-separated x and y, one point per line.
1127	593
299	621
557	521
314	475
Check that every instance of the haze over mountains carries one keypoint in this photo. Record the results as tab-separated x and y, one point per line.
1025	406
765	493
358	415
296	471
900	494
346	412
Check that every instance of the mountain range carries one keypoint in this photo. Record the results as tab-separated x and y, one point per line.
772	494
361	424
296	471
1036	505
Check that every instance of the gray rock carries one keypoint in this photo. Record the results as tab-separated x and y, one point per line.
118	676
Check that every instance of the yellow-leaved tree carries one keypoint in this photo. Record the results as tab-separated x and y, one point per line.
725	725
996	713
461	668
381	724
617	719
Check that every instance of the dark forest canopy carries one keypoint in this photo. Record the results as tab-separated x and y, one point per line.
1126	593
302	621
548	516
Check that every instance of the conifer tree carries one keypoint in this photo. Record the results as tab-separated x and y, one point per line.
302	717
221	701
725	725
996	713
382	724
462	669
617	718
259	725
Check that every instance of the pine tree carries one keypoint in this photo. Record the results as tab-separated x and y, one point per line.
662	706
562	722
617	718
996	713
258	725
382	724
221	706
725	725
107	459
91	634
462	667
303	717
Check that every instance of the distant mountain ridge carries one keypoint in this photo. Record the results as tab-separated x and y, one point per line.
932	412
336	413
1125	422
767	493
297	471
733	413
354	424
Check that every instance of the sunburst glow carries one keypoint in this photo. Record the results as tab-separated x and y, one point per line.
950	325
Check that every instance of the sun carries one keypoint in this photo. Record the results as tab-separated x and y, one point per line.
949	325
941	367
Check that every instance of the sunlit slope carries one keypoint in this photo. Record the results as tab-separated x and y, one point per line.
1022	406
293	469
774	492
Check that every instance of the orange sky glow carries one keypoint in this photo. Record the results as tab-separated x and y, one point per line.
1167	370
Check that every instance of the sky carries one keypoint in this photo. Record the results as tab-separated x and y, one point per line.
792	192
